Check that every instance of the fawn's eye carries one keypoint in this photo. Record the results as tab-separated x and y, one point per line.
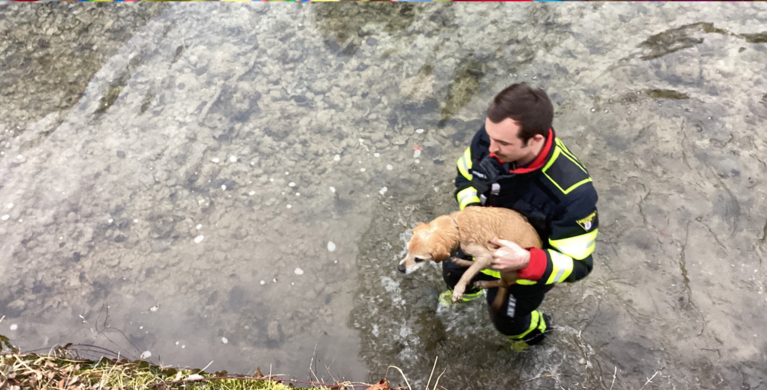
418	260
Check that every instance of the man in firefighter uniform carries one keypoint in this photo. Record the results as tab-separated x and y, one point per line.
516	161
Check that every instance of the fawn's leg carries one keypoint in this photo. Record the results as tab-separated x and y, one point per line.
485	284
482	258
462	262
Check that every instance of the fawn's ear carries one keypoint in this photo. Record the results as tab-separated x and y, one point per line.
440	254
440	251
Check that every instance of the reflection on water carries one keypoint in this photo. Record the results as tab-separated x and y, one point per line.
235	183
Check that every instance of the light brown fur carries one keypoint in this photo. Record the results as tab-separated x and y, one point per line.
476	227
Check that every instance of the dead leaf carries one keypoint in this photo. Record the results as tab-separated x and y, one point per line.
61	384
382	385
258	373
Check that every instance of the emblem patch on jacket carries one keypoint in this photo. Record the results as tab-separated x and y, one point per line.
588	222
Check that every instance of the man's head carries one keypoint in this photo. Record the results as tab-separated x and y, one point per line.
518	123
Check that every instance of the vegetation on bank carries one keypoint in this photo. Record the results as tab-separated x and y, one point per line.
63	368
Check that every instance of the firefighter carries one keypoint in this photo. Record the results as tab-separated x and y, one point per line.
516	161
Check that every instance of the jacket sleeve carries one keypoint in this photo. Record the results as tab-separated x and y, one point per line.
465	193
566	256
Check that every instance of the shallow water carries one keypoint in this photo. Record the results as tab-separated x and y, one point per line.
193	158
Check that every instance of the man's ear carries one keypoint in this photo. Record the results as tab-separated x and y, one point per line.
537	139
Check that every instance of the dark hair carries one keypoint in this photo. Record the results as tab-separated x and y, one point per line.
529	107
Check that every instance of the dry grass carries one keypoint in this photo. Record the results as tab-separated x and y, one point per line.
62	369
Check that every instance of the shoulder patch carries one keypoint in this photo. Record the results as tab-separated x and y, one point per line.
588	222
565	172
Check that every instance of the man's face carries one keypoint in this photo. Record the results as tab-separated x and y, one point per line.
505	143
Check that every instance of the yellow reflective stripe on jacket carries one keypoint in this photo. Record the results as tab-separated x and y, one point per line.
464	163
466	197
578	247
497	275
562	267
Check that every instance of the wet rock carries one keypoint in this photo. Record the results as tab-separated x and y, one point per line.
159	247
240	233
237	298
76	257
112	261
224	184
16	307
161	226
120	238
274	332
320	87
120	154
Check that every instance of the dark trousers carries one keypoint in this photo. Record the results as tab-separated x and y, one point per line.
517	318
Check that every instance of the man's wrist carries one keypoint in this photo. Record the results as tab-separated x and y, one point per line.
526	259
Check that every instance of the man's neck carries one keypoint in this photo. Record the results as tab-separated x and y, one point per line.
537	150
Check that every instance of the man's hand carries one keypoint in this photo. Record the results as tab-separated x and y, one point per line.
509	257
